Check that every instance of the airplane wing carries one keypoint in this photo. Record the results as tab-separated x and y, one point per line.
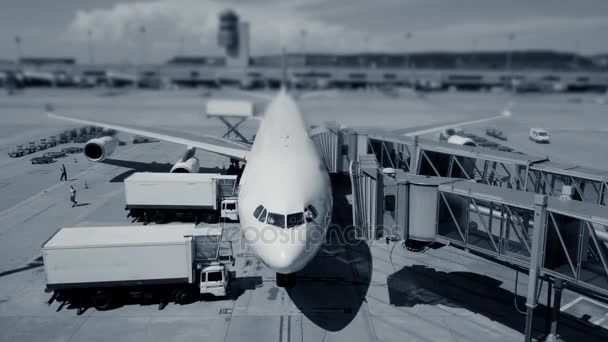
505	114
217	145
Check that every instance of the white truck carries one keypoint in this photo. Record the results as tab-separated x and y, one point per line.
102	266
161	197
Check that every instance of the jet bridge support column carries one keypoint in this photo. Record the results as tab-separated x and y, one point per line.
536	257
558	286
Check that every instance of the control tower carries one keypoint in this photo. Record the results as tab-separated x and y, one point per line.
233	36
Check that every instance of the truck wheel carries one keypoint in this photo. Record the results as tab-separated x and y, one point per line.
102	301
183	296
159	217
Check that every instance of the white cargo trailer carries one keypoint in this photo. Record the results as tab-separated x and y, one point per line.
97	265
159	197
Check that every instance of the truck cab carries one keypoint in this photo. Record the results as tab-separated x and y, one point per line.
229	209
214	280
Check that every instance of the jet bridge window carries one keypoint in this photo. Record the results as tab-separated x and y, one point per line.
276	220
294	220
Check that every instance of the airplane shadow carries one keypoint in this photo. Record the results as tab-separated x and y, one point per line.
481	294
330	290
148	167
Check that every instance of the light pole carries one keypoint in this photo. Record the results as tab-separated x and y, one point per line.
303	34
473	52
576	61
407	37
90	47
510	38
18	49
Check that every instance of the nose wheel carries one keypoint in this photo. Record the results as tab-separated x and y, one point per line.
286	280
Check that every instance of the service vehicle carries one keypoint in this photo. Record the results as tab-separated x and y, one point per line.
42	160
139	139
17	152
54	154
52	141
31	147
72	150
539	135
496	133
102	266
162	197
43	145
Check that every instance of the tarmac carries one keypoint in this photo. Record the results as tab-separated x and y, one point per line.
357	291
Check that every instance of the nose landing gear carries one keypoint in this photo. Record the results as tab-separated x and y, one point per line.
286	280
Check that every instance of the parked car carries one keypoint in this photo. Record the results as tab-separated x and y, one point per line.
539	135
42	160
504	149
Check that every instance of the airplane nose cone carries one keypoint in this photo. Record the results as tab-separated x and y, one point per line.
286	260
288	252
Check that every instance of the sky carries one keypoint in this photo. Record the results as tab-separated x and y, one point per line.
61	28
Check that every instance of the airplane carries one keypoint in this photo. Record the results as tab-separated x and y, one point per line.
285	198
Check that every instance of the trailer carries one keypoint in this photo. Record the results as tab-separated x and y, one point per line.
102	266
162	197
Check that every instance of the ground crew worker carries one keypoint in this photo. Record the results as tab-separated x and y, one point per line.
64	173
73	196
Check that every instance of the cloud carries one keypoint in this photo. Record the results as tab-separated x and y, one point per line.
274	24
331	26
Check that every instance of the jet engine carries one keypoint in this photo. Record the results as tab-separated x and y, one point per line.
458	140
99	149
188	163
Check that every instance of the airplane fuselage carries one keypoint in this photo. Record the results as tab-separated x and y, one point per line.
285	196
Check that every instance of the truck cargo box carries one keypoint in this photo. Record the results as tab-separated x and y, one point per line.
171	190
81	256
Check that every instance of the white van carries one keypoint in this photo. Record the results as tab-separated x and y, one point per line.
539	135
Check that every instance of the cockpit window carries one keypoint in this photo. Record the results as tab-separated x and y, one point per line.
258	211
276	220
294	220
262	217
310	213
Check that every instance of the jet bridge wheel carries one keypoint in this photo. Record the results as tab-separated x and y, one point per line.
415	245
286	280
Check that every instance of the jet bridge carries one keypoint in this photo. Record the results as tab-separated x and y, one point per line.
509	170
562	242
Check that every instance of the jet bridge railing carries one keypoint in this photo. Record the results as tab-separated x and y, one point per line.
588	185
507	170
500	224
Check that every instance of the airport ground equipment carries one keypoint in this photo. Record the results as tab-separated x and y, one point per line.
31	147
72	149
161	197
17	152
42	160
54	154
232	113
43	145
100	266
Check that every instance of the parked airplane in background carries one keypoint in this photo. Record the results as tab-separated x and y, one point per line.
285	199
